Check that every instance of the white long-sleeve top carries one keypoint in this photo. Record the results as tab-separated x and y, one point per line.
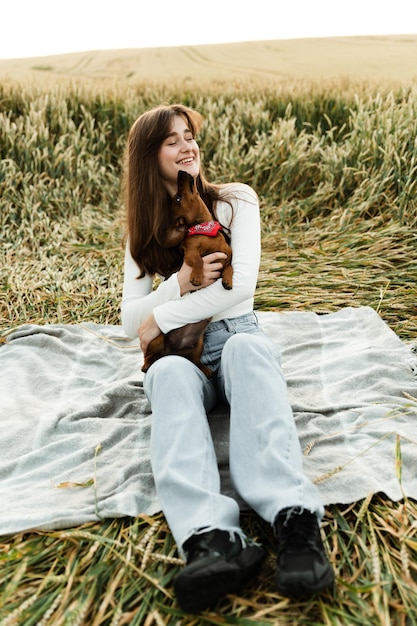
170	309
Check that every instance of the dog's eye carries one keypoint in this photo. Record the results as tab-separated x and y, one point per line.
178	198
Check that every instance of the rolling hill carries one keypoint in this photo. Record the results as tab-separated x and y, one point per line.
357	58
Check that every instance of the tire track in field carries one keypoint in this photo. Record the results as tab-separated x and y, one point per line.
82	63
196	56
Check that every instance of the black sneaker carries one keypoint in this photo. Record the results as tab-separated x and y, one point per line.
302	565
216	566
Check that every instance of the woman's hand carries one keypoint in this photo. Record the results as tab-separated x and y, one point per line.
147	331
212	268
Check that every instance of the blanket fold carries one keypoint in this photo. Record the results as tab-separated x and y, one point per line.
75	423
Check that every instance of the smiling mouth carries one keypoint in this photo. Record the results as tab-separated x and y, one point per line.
186	161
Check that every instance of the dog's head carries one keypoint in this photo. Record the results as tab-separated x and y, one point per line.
188	209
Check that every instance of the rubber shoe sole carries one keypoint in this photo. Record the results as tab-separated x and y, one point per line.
302	585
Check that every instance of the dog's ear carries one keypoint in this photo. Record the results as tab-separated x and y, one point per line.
174	235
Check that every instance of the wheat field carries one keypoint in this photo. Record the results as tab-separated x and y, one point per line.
334	163
378	58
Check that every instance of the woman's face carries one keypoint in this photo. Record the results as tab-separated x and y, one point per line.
179	151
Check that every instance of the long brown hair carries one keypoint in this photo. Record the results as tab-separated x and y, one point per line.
147	201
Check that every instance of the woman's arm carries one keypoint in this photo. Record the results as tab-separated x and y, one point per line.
139	300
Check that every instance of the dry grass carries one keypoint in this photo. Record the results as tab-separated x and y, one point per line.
334	166
121	572
389	58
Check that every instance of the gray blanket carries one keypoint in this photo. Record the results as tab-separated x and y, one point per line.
75	424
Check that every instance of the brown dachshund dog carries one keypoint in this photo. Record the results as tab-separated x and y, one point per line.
197	234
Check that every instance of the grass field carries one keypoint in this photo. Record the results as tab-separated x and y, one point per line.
334	163
389	58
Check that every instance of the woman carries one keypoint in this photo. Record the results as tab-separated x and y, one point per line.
265	456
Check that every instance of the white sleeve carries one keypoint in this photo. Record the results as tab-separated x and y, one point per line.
214	301
138	299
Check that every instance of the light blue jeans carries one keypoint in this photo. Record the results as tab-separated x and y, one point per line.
265	455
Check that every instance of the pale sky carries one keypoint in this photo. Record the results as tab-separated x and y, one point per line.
33	28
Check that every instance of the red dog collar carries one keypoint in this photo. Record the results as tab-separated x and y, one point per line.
205	228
